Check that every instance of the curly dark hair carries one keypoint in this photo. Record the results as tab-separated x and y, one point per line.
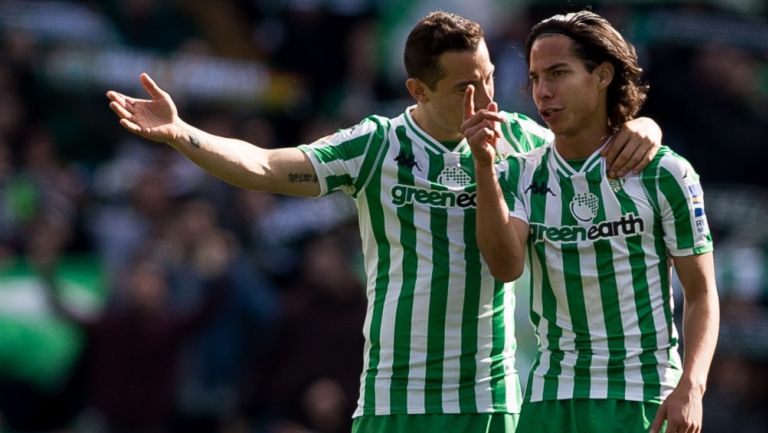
595	42
433	35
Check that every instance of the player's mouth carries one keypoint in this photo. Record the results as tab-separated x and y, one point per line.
550	114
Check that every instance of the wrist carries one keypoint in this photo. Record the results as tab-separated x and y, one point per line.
693	385
484	167
182	134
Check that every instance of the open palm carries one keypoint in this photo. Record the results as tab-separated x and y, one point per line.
155	119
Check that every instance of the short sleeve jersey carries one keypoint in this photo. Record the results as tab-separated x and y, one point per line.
598	250
439	331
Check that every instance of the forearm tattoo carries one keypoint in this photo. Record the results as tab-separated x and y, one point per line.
194	140
302	177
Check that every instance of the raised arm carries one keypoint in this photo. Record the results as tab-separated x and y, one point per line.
500	237
701	321
285	171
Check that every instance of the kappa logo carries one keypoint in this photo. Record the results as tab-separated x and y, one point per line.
540	188
405	159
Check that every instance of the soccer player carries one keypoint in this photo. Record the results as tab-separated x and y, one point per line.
598	247
439	351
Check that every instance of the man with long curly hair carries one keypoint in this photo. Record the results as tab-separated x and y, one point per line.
599	247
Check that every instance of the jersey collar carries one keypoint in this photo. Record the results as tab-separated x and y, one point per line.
429	142
593	168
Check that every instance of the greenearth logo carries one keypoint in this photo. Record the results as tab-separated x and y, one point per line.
404	194
628	225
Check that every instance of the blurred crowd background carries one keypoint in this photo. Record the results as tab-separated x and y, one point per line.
181	304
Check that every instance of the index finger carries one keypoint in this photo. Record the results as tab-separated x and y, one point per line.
469	102
658	420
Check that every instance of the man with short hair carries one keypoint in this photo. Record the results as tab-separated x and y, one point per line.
598	246
439	332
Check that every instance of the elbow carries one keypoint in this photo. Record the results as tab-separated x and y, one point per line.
506	272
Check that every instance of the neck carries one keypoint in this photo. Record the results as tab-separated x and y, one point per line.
433	129
583	142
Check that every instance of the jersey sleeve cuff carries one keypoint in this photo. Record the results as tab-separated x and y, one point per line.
694	251
521	215
317	166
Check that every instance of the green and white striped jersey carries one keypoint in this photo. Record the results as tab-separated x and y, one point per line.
598	250
439	331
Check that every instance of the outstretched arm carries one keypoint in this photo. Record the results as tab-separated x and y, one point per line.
500	237
285	171
701	321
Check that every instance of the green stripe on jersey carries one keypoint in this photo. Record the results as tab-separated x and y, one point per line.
677	199
650	183
575	295
438	302
404	310
643	307
611	303
376	222
543	302
469	330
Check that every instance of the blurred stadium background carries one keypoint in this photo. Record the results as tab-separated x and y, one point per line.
281	351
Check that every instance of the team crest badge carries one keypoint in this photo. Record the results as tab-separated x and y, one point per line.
616	184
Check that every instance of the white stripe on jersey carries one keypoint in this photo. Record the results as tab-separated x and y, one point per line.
453	321
484	346
510	344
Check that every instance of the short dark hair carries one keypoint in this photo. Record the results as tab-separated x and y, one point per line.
595	41
433	35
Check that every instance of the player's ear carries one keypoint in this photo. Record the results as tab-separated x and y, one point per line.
417	89
604	73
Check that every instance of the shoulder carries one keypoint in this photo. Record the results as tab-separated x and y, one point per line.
370	125
361	133
524	131
526	123
539	154
669	165
521	163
